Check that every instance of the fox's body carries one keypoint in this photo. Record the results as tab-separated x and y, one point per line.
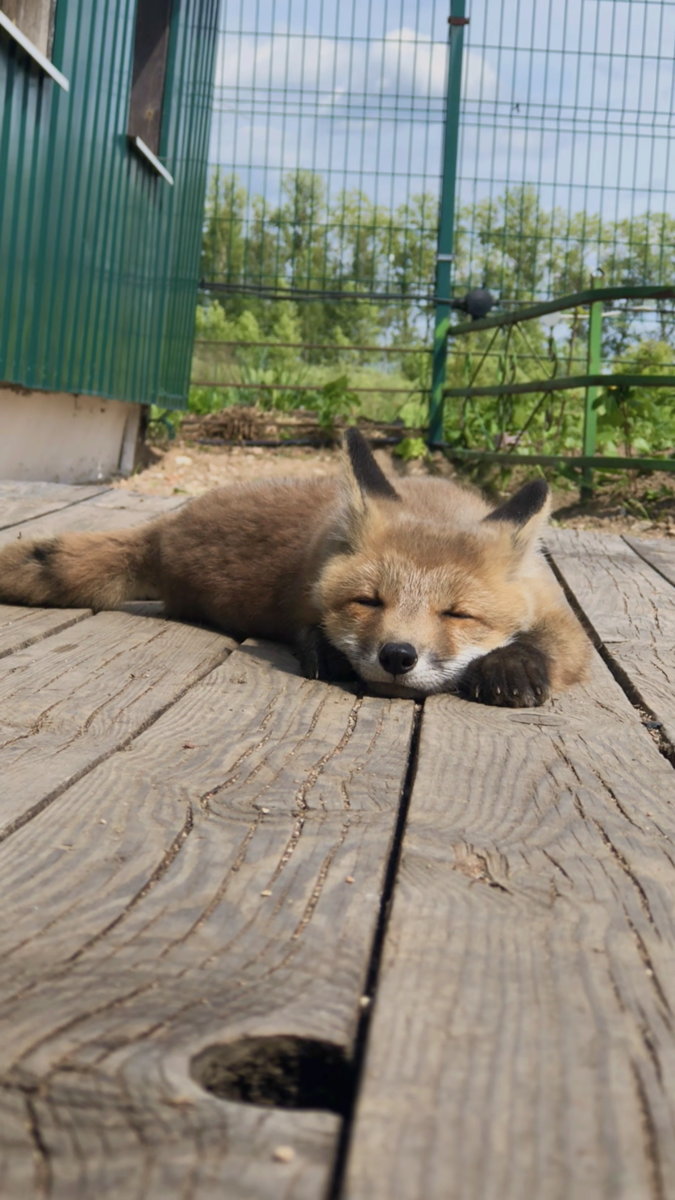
420	588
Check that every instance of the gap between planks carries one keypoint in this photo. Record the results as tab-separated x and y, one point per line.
82	694
20	501
522	1041
630	608
189	890
109	509
659	553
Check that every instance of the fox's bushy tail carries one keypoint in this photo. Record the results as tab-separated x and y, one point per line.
82	570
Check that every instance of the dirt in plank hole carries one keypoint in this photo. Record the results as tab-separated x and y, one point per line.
641	504
277	1072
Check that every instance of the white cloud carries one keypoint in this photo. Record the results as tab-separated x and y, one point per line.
384	148
401	62
287	60
479	80
411	65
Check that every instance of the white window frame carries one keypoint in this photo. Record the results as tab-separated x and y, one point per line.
31	49
159	167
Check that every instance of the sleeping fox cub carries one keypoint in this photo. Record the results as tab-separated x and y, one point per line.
416	588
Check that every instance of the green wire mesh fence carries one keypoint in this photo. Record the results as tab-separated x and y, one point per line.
322	205
565	161
353	196
326	146
563	172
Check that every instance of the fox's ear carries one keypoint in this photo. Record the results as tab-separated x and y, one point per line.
526	513
362	481
364	471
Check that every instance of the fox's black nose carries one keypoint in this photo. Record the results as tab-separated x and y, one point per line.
398	657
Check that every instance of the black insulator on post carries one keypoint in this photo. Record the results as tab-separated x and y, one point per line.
476	304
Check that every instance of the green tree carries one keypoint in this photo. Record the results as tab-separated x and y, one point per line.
410	247
575	239
639	251
223	240
640	420
512	255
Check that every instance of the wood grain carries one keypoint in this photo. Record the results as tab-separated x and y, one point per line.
111	509
220	877
522	1041
630	606
658	552
20	627
70	700
194	852
623	598
21	501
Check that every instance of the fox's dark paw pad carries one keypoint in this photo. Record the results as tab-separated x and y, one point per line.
319	659
513	676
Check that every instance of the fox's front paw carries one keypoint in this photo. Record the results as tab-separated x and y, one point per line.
513	676
319	659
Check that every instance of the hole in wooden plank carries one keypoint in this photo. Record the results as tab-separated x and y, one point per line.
277	1072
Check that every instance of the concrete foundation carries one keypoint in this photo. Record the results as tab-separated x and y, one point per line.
61	438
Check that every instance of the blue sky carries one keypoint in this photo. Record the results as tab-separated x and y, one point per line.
352	89
574	96
583	103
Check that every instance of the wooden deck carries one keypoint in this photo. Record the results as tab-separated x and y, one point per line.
440	940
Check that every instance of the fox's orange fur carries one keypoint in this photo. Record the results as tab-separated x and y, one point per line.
418	586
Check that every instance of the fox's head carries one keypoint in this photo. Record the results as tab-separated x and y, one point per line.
422	578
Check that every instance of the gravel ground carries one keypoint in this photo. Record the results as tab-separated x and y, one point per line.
642	505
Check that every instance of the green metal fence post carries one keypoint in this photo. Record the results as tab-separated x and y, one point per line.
592	392
457	20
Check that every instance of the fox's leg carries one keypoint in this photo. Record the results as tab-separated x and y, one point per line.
552	654
514	676
319	659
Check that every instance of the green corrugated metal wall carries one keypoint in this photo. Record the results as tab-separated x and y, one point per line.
99	256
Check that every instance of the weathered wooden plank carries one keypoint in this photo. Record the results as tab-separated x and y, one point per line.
124	501
220	878
623	598
522	1041
70	700
22	1173
110	510
658	552
20	627
21	501
631	608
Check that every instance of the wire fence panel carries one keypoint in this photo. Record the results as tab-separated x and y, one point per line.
322	216
326	147
566	161
565	177
327	141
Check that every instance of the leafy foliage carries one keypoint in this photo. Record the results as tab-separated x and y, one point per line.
410	448
321	280
640	420
335	400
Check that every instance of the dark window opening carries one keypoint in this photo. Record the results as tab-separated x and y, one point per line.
35	19
151	52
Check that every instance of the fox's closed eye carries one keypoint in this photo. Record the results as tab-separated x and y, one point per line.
368	601
459	616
